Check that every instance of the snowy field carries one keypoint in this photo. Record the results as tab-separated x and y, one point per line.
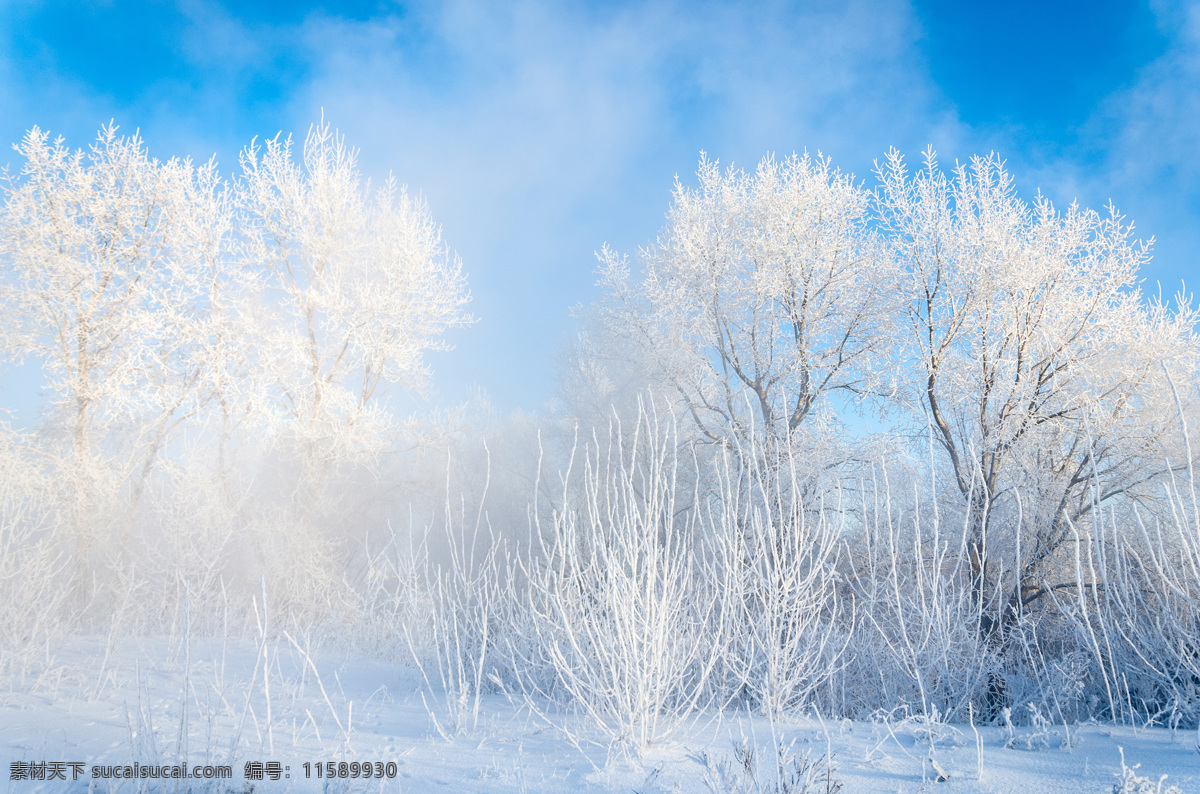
156	702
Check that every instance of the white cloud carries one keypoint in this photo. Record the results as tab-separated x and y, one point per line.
539	131
1140	150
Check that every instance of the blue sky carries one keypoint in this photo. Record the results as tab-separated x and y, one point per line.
539	131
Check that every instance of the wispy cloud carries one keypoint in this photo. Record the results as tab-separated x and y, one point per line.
539	131
1140	151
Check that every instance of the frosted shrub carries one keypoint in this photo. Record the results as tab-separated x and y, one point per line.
1130	782
465	595
774	561
392	601
793	772
1040	737
1142	627
1045	661
1137	607
920	637
619	613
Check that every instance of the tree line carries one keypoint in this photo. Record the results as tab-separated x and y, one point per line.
821	429
1008	341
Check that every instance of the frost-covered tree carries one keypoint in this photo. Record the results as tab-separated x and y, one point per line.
1032	358
351	287
109	260
160	298
765	292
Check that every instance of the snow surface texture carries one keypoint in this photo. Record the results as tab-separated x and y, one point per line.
103	704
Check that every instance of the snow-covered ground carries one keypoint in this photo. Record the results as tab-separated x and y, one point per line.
157	701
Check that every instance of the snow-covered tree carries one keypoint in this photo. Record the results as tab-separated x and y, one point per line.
1032	358
352	287
109	259
765	292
